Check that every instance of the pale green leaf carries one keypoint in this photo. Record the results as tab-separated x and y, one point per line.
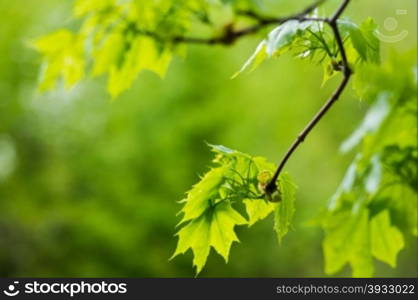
363	38
222	233
237	177
347	241
369	30
328	71
142	55
387	240
63	53
108	55
196	236
54	42
285	209
83	7
356	36
258	209
214	228
255	60
277	42
282	36
361	259
371	123
375	206
346	184
199	198
374	177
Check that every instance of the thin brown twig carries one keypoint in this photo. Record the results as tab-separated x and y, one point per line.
332	22
230	35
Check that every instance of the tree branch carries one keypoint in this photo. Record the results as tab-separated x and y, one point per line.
230	35
332	22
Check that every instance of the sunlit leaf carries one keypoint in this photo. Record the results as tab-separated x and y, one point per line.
368	29
387	240
203	194
214	228
63	54
208	213
83	7
282	36
142	55
375	205
255	60
363	38
257	210
108	56
347	241
374	117
356	36
285	210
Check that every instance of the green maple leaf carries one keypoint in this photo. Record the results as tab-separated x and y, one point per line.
213	228
208	216
200	196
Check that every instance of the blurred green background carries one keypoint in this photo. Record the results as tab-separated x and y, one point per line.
88	187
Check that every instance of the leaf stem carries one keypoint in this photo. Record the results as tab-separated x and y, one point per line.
322	42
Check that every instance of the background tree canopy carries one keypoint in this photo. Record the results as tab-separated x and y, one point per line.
88	187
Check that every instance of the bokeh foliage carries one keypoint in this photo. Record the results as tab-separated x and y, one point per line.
88	188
